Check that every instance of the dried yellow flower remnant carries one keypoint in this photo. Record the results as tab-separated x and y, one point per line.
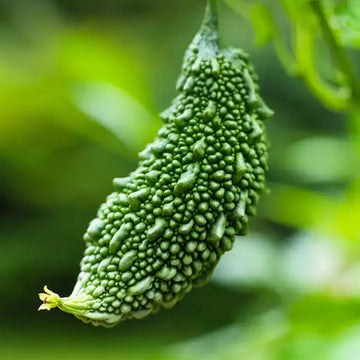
49	298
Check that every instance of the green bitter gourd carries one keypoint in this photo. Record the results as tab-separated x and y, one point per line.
166	226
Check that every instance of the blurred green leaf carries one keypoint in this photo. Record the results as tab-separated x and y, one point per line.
311	314
347	15
333	216
322	159
118	112
263	24
297	207
47	76
252	262
310	263
347	344
253	340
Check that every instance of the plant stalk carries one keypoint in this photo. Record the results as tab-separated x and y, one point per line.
211	18
341	57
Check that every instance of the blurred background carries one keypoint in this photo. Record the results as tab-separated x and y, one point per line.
81	86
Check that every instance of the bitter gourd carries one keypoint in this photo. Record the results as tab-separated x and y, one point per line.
164	228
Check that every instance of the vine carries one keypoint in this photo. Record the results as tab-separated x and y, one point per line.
311	20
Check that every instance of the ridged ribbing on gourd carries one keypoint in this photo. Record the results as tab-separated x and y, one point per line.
164	228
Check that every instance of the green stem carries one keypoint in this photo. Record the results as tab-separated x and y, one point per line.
211	15
304	46
341	57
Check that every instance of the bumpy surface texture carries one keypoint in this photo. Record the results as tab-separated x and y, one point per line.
164	228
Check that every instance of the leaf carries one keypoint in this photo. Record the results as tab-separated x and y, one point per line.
257	339
310	263
263	24
250	263
292	206
347	16
333	216
322	159
241	6
117	111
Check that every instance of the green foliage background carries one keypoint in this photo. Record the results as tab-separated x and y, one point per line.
81	84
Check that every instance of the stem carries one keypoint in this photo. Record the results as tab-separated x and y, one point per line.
334	98
211	15
341	57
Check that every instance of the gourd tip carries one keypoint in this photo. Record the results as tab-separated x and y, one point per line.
49	298
75	304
